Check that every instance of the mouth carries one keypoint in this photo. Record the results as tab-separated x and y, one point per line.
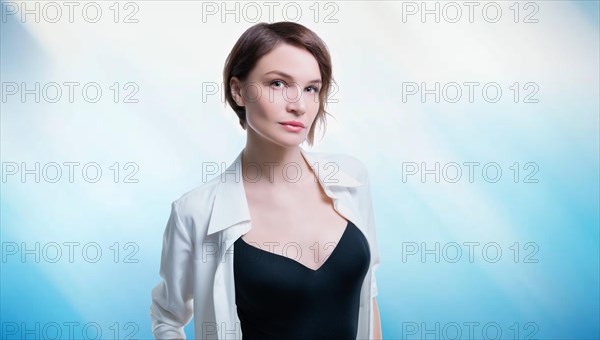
292	128
293	123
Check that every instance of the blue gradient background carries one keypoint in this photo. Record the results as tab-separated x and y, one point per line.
170	53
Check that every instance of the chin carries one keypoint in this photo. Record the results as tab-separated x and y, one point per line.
284	138
290	144
290	141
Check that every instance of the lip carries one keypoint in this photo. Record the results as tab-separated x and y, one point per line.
293	123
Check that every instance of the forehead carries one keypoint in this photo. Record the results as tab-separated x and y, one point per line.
292	60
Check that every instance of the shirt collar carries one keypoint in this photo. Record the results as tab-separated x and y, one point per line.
231	207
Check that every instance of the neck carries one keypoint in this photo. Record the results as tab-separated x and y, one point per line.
270	164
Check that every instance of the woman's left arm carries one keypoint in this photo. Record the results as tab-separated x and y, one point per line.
366	205
376	321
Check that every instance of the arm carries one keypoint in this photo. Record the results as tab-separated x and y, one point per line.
367	204
376	321
172	298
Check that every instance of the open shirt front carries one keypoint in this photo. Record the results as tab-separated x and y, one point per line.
198	244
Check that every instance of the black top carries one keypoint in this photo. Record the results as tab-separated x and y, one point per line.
277	297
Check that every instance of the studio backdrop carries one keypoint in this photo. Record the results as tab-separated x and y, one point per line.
478	122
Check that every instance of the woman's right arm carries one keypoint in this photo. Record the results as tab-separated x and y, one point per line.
172	298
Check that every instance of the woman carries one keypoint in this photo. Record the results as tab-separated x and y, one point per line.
282	245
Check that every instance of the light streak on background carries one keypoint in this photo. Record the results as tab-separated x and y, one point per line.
169	119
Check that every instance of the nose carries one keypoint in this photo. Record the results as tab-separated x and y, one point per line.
295	98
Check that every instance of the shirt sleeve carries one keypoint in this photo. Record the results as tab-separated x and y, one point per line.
172	298
367	204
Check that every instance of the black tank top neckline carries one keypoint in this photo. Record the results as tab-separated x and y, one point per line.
278	297
268	253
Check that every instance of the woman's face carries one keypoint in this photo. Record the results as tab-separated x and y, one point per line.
283	87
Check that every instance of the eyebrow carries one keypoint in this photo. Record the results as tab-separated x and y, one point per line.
285	75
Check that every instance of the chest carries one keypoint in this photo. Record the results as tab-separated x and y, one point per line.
301	225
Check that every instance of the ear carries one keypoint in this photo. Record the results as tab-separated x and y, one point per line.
236	92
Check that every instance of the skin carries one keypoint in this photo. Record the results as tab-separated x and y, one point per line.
376	321
278	203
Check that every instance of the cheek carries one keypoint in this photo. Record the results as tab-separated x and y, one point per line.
312	103
314	100
273	97
260	106
252	94
270	102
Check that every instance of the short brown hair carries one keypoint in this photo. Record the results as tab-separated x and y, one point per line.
259	40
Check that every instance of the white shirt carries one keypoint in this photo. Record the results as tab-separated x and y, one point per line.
197	255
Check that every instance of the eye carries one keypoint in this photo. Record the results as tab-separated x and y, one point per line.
277	82
314	88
